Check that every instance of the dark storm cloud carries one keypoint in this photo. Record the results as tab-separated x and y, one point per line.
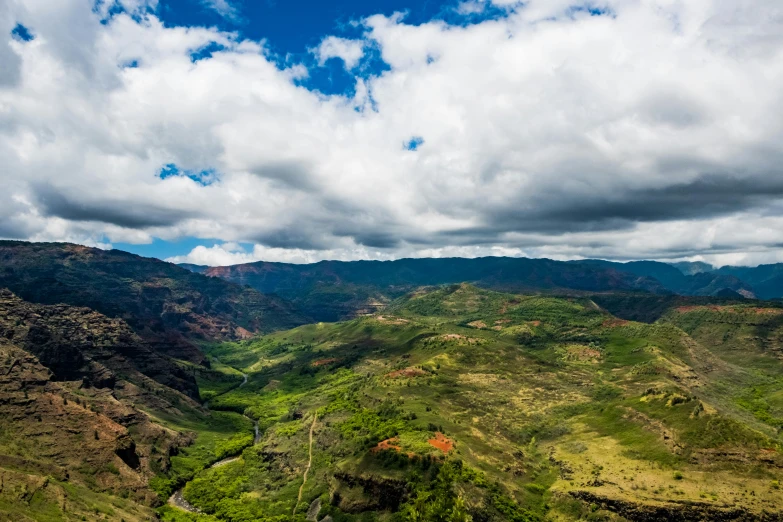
705	196
13	229
295	175
306	238
376	239
130	214
335	221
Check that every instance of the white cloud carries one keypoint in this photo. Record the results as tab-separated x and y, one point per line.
224	8
653	132
230	254
349	51
470	7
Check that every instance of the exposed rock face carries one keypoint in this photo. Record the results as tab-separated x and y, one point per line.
379	494
80	344
165	304
77	421
676	511
313	510
54	431
126	450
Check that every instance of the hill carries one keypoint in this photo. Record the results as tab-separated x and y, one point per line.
199	269
79	344
767	280
699	283
92	417
693	267
460	403
166	304
332	290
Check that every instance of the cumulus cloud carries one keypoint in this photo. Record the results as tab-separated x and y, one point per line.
633	128
349	51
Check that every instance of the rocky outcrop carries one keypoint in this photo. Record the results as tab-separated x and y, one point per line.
167	305
70	383
682	511
60	432
379	493
81	344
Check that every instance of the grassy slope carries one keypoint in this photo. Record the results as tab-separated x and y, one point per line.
546	400
749	341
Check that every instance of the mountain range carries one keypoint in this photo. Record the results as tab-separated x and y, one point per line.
333	290
445	390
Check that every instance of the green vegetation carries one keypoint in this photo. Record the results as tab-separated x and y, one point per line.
222	435
464	404
451	404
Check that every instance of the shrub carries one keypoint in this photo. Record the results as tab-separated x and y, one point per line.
537	489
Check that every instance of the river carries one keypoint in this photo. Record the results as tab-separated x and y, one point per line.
177	499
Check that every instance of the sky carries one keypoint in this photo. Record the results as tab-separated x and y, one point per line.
227	131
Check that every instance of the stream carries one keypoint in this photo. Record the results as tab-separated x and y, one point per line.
176	499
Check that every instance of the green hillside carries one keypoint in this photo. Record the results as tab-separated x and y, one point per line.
462	404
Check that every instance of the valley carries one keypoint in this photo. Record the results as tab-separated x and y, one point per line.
391	261
549	409
449	402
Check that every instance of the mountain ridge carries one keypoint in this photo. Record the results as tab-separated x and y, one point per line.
333	290
166	304
321	283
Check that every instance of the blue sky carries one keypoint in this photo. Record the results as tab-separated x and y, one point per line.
292	28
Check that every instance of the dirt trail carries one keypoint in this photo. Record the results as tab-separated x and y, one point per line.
309	463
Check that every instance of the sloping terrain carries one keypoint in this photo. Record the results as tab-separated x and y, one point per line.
90	415
648	308
693	267
332	290
458	404
767	280
442	403
748	340
699	283
84	345
166	304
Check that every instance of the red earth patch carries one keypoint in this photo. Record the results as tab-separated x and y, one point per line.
407	373
243	333
391	443
322	362
441	442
